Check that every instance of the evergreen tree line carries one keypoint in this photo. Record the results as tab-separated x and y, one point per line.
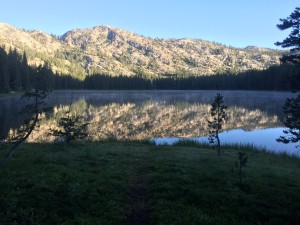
17	75
273	78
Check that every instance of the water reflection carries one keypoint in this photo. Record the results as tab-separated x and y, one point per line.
149	114
262	139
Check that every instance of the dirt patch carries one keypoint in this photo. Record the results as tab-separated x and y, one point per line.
139	212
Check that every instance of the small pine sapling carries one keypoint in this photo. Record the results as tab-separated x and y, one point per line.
217	113
71	127
241	163
31	112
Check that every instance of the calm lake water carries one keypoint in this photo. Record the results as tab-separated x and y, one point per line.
252	117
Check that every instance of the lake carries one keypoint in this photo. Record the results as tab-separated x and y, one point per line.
252	117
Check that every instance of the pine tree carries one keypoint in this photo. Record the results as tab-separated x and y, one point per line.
293	40
292	105
217	114
242	156
291	110
4	71
32	111
71	127
14	62
25	73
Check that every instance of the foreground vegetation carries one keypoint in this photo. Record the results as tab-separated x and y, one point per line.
119	182
2	95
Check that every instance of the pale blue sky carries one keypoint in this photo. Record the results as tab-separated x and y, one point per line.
232	22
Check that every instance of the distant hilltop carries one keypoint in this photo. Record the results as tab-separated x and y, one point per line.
256	48
113	51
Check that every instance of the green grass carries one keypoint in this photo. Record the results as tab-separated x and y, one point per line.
187	184
10	94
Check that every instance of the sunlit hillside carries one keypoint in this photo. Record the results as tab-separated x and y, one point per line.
113	51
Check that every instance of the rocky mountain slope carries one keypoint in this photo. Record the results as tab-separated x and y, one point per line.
114	51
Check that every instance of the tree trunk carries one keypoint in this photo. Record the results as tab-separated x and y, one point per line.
240	173
17	143
218	143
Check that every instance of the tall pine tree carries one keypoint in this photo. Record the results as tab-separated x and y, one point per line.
4	71
14	69
25	73
292	105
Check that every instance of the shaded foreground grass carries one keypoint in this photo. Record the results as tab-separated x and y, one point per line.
10	94
93	183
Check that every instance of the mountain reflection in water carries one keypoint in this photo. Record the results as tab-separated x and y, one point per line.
150	114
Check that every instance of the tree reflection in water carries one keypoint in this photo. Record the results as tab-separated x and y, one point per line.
140	115
152	119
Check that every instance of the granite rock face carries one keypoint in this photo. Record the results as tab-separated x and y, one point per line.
113	51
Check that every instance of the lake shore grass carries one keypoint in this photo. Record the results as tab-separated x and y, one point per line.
10	94
125	182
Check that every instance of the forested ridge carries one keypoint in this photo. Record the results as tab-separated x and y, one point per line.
108	58
17	75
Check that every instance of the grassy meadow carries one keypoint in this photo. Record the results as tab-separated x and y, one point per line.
10	94
140	183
